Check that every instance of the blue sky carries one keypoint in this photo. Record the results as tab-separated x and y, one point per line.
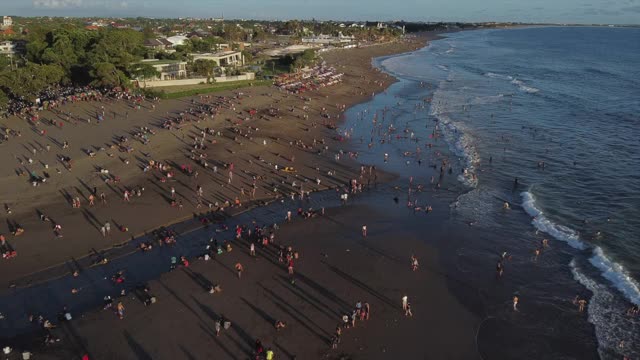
557	11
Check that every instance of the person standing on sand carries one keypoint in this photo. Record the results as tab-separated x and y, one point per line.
515	303
107	227
345	321
367	310
288	215
405	301
364	230
252	249
239	269
414	263
57	230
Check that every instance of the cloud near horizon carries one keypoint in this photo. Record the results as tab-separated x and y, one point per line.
75	4
56	4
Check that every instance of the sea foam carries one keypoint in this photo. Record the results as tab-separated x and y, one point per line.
456	135
607	316
542	223
610	270
617	274
521	85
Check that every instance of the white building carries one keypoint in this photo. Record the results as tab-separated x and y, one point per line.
168	69
222	58
177	40
7	21
327	39
8	47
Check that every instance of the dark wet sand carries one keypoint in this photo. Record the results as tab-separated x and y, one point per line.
337	268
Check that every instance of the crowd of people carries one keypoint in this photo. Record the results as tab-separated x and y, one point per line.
55	97
306	80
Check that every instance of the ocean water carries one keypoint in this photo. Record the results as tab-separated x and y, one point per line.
557	108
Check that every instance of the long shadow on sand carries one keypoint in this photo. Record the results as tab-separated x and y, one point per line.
363	286
137	349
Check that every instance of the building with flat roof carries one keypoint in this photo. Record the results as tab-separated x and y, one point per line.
168	69
327	39
7	21
222	58
11	48
177	40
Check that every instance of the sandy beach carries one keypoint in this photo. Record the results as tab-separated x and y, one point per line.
337	268
38	248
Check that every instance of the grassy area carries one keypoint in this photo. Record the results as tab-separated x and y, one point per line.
175	92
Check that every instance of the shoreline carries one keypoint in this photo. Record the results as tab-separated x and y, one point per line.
362	98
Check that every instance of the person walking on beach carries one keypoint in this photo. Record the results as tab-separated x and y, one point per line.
107	227
407	310
288	215
290	266
120	310
414	263
364	230
239	269
252	249
515	303
405	301
270	354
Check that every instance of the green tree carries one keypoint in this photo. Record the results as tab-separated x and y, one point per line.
61	53
120	47
4	100
29	81
5	62
148	32
204	67
105	74
34	51
144	71
307	58
199	45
